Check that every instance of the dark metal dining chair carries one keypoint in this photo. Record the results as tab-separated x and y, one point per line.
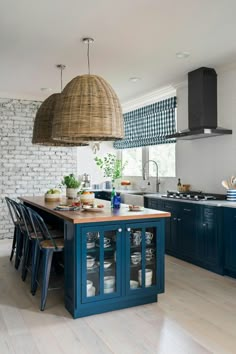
29	244
17	242
46	245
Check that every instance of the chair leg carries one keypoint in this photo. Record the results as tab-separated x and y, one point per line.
19	246
47	261
13	244
26	258
35	266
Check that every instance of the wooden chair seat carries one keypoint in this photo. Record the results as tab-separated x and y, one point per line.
49	244
54	234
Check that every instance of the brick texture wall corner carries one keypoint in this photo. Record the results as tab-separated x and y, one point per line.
26	169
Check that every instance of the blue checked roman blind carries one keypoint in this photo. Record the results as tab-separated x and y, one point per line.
149	125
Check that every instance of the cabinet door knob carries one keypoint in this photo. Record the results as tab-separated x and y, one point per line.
129	229
175	219
119	230
203	225
179	219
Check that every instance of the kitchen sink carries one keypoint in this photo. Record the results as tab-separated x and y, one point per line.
143	193
138	193
135	198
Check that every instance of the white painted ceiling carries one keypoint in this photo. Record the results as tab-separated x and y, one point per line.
132	38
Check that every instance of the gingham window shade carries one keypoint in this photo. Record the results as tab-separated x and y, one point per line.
149	125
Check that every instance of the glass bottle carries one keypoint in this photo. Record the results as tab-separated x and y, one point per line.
113	194
116	201
179	185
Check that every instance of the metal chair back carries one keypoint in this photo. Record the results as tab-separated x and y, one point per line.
40	229
14	214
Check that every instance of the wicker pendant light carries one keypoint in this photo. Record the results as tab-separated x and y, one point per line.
88	110
42	132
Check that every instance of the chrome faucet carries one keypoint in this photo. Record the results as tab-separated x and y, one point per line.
144	173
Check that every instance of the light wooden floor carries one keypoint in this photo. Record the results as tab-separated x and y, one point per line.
196	315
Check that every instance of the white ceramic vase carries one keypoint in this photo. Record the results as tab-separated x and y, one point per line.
71	193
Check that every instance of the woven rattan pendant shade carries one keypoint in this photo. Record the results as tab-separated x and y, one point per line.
89	109
42	132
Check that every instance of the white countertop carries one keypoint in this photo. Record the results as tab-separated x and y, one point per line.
218	203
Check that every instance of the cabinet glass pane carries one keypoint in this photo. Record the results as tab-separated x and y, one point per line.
135	258
142	257
109	264
150	257
92	263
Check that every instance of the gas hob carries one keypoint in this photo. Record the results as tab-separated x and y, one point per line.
194	196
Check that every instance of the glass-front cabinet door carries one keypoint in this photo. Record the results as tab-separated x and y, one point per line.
144	270
101	262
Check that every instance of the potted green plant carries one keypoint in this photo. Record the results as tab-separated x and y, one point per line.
72	185
112	166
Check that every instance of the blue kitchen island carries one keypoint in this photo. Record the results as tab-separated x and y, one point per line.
114	258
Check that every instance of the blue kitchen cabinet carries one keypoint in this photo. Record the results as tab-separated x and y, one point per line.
210	238
187	231
101	262
182	230
144	258
170	223
153	203
229	215
173	228
105	195
194	234
114	279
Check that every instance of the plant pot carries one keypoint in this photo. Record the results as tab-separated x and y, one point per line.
71	193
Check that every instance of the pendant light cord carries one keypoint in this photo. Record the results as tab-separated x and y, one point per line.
61	67
61	78
88	58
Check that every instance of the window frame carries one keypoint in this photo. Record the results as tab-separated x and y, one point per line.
145	158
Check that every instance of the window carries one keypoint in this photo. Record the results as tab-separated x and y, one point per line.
134	159
163	155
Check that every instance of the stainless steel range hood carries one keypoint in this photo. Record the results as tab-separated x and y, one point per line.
199	133
202	107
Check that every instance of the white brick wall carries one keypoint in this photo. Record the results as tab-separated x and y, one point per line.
26	169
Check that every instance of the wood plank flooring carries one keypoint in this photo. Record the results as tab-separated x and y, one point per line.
196	315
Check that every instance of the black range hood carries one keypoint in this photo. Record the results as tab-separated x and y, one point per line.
202	106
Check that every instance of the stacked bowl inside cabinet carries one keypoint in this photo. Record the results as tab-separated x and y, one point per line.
231	195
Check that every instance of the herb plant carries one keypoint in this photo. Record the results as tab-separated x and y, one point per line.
71	181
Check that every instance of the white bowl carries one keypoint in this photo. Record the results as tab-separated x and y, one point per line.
135	259
148	272
133	284
91	292
107	264
90	261
109	290
109	281
148	282
89	284
90	244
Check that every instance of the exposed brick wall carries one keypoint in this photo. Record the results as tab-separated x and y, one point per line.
26	169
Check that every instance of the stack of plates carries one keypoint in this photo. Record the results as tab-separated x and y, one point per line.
109	284
231	195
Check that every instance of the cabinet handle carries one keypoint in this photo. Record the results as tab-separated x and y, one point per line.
187	209
119	230
128	229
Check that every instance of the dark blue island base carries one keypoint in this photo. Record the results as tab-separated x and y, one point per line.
113	259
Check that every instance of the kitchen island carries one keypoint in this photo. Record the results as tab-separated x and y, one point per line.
114	258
